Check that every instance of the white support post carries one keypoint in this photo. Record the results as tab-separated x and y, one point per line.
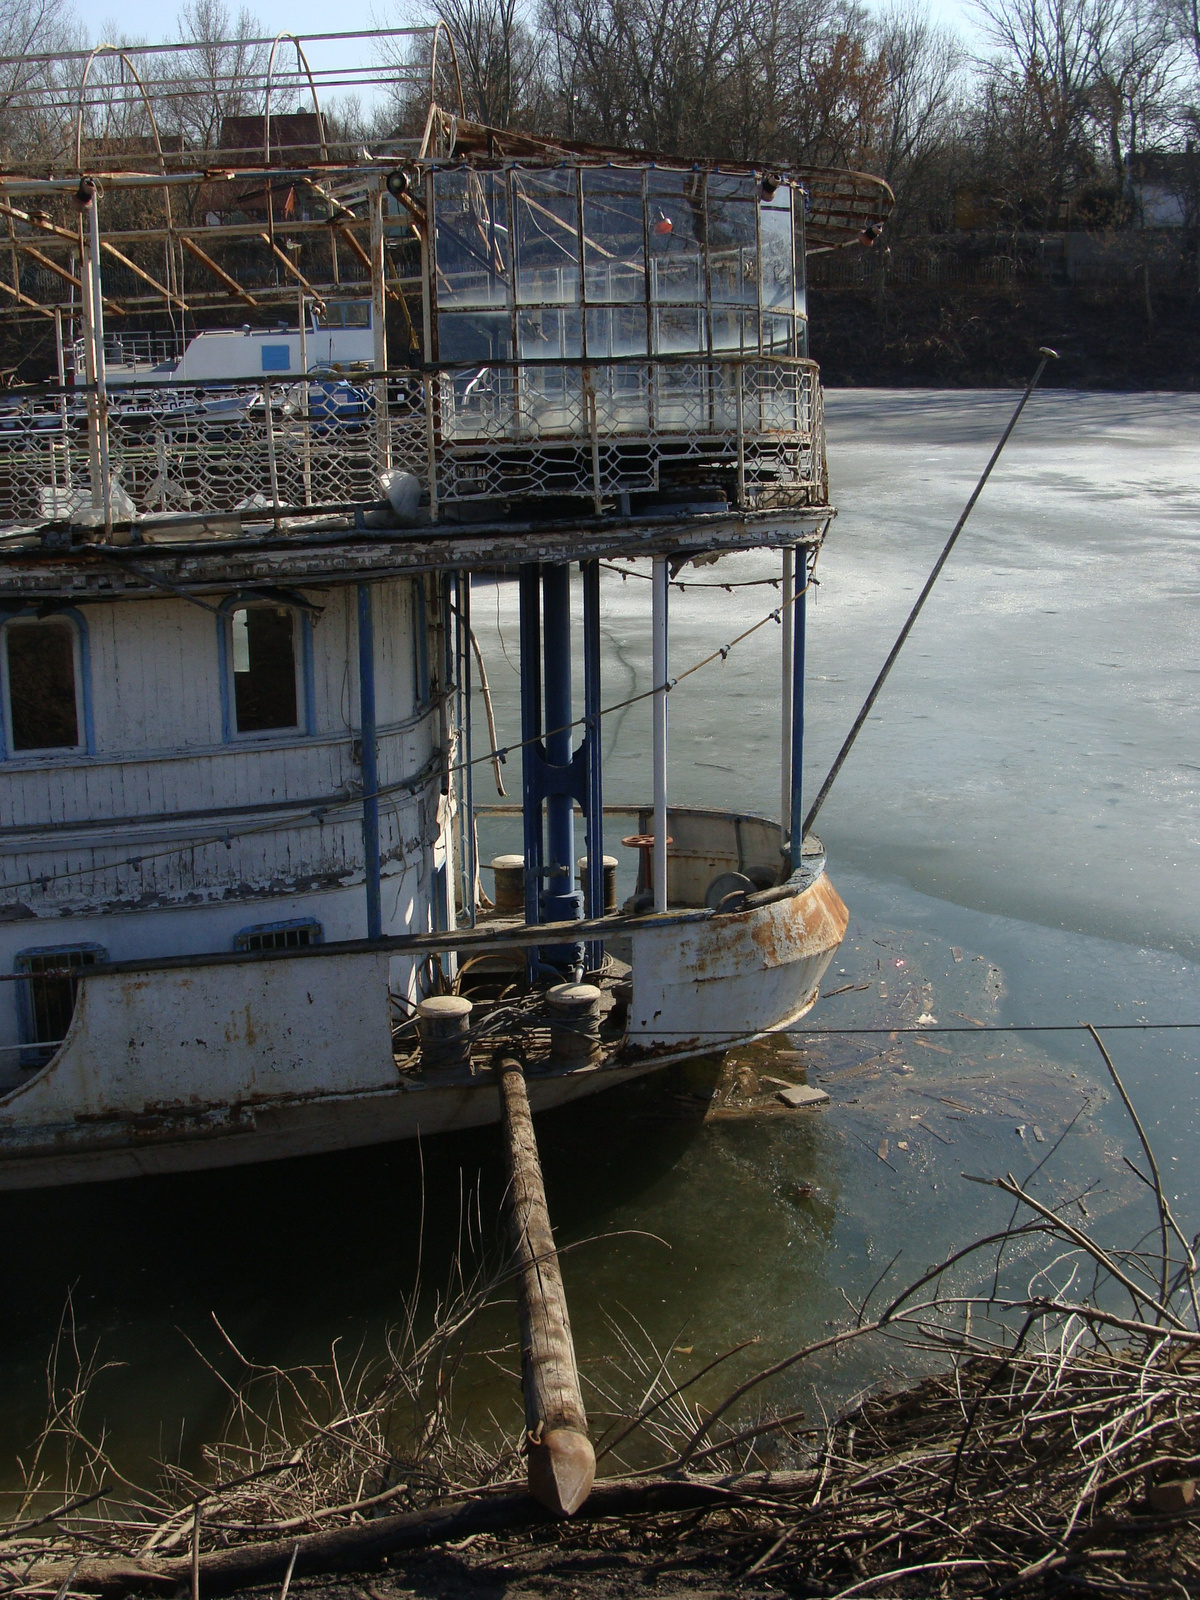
659	703
100	378
305	430
785	697
379	317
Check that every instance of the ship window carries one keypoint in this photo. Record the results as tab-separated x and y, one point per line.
264	668
276	358
42	684
47	997
280	936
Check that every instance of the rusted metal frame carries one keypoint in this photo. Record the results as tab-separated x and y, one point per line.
44	260
24	300
230	282
362	256
139	272
288	265
44	225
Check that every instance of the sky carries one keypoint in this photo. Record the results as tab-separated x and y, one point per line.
153	21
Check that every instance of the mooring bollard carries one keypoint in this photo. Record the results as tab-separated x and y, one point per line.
574	1023
562	1462
443	1027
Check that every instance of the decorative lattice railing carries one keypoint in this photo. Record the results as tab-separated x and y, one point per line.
750	426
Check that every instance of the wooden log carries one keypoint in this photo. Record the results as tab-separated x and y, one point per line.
562	1463
364	1545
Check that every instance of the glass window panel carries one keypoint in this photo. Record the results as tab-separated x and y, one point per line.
616	331
485	336
472	240
778	336
734	330
264	672
479	404
675	208
614	241
778	274
549	336
732	252
732	186
552	401
43	712
546	216
622	399
679	330
680	399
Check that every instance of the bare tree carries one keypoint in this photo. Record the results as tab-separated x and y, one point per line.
924	97
220	61
31	30
1036	108
1135	60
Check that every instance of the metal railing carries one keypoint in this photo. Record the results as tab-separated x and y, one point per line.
495	431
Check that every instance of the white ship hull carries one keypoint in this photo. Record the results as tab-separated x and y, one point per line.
228	1063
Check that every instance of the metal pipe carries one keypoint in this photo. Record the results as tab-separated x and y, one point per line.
560	900
368	738
591	740
796	826
785	699
658	625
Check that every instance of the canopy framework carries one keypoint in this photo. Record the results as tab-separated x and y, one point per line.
541	320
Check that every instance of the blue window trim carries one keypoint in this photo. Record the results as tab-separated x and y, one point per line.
25	999
312	923
78	621
308	723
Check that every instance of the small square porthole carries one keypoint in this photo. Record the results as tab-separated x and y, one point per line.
47	997
263	642
276	358
280	936
41	684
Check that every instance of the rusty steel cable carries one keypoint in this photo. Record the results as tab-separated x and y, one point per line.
1047	355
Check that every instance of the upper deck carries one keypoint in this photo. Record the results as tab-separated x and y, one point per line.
573	351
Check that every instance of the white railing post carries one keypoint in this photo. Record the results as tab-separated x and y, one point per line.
272	468
785	696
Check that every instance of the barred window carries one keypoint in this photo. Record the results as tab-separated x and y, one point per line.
47	997
280	936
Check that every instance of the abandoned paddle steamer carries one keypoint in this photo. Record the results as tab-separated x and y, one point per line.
241	908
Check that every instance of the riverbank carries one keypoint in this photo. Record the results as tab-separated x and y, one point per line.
1108	337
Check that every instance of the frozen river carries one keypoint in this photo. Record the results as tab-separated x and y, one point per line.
1016	835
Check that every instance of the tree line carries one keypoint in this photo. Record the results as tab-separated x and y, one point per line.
1039	123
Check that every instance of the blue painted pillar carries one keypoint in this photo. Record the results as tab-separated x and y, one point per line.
368	739
796	832
531	730
591	742
561	901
